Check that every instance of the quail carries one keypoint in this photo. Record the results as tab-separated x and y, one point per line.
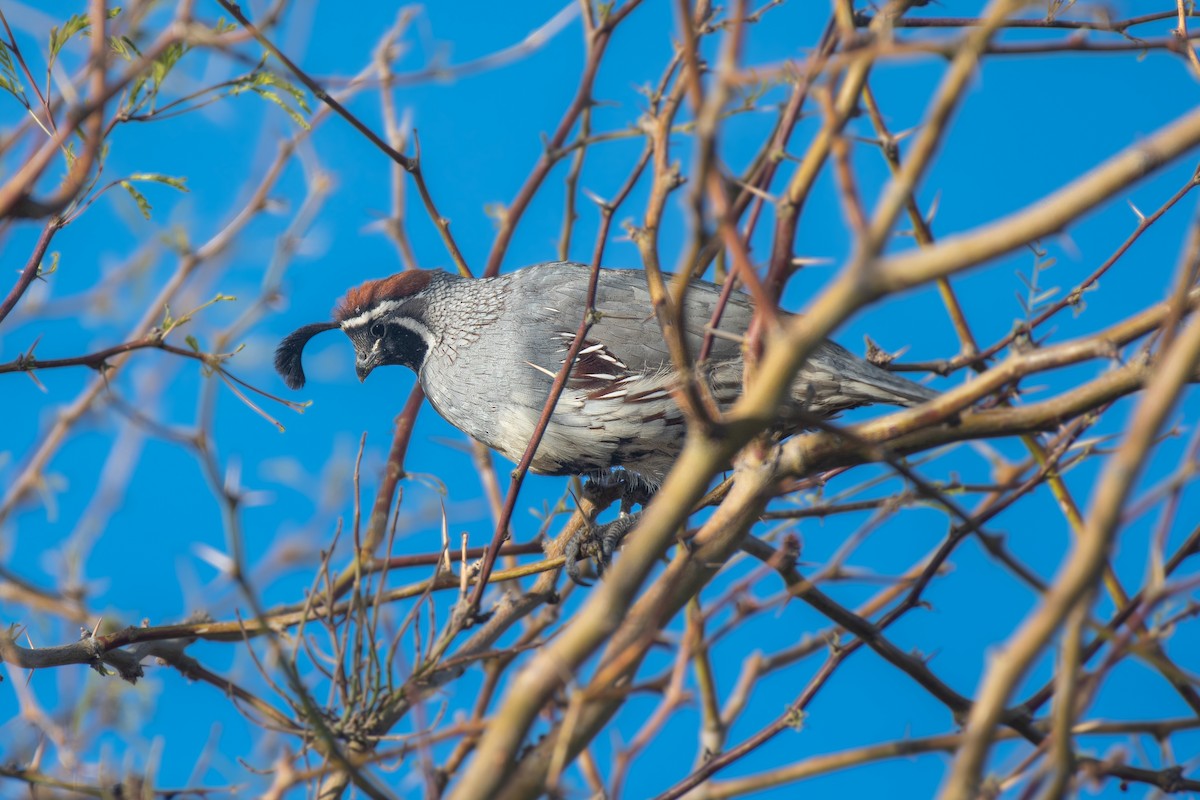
487	350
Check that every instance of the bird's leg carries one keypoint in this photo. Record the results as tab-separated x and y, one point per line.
634	491
601	488
599	542
610	536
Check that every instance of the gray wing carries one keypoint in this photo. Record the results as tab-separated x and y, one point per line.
627	344
627	339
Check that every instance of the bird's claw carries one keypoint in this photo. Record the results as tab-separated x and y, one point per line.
597	543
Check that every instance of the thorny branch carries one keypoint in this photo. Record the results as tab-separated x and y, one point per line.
371	666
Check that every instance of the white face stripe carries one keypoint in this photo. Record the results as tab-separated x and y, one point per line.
362	319
417	328
385	312
408	323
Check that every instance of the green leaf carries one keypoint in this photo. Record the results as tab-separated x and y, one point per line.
173	182
265	83
192	342
142	203
268	78
135	92
145	87
9	81
123	46
76	23
279	101
60	36
6	58
43	270
164	63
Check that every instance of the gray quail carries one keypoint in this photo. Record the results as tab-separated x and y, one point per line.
486	352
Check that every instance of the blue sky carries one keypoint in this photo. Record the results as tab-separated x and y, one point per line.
1027	125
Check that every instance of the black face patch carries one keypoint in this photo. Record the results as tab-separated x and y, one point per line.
399	345
405	347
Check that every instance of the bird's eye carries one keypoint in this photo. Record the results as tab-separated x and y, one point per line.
377	330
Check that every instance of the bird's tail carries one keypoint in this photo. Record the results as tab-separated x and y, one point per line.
835	379
877	385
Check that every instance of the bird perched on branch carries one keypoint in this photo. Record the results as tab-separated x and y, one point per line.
487	351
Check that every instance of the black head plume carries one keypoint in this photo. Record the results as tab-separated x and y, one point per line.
287	355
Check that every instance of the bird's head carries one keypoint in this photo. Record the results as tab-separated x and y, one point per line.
385	322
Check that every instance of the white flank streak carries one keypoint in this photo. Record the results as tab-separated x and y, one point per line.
602	376
612	395
542	370
717	333
591	349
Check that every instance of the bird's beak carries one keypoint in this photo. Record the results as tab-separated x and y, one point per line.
363	368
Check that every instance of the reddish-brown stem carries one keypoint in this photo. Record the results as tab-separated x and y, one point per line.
32	267
1120	26
597	43
556	389
316	88
518	477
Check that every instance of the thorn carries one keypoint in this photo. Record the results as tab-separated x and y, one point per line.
1138	212
811	261
597	199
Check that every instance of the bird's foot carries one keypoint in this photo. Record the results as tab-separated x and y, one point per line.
597	543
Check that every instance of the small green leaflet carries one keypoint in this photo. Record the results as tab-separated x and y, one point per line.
265	83
124	47
75	23
142	203
8	76
169	180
